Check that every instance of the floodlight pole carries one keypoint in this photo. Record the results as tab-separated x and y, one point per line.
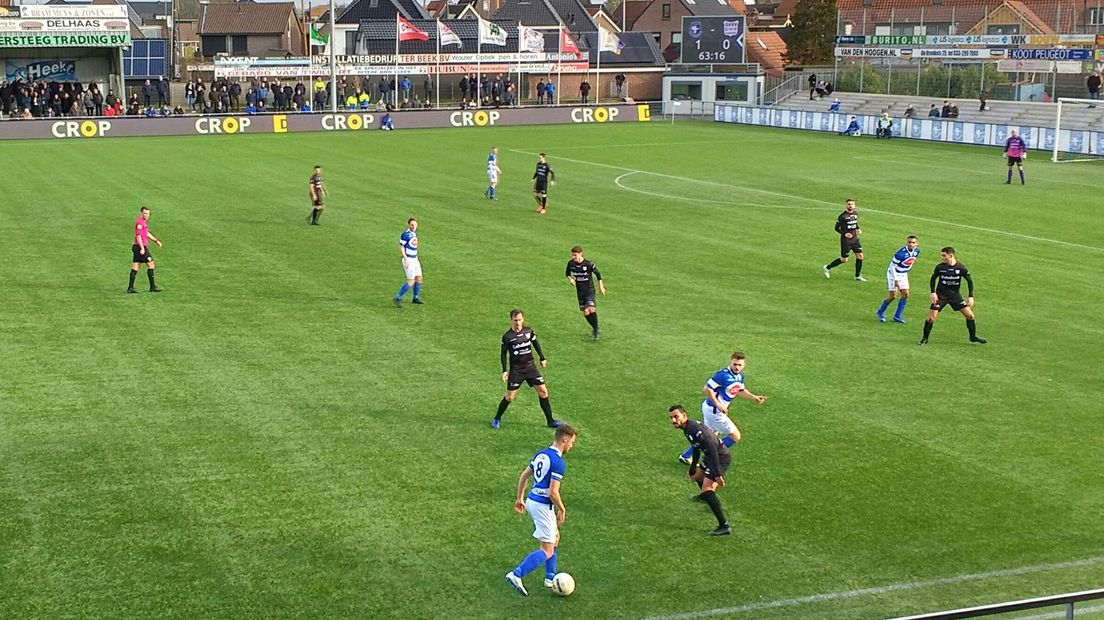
333	59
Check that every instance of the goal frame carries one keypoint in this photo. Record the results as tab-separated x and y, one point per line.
1058	128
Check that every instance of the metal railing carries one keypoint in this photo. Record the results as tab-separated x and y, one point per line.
1066	600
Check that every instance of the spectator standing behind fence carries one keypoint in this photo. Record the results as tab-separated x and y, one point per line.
1093	84
946	111
540	91
584	91
983	99
463	90
550	92
162	92
404	87
933	112
235	95
619	80
910	111
147	93
812	85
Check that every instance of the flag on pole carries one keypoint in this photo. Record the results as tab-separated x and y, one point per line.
608	41
446	36
567	44
410	32
491	33
318	38
530	39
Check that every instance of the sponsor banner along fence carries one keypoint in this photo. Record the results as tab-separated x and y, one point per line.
248	71
938	130
966	54
298	123
971	39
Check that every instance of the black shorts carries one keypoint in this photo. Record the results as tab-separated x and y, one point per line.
955	301
726	460
1015	160
849	245
318	202
528	375
140	258
540	188
586	298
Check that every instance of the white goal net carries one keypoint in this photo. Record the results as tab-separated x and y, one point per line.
1078	130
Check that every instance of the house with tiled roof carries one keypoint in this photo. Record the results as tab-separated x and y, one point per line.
603	19
347	25
251	29
768	49
909	17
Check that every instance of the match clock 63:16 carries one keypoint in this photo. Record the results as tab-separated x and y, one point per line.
712	39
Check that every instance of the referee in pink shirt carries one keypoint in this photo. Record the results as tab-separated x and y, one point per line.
140	249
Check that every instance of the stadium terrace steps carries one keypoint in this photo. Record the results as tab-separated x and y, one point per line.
1003	112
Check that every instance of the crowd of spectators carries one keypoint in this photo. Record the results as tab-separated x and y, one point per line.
42	99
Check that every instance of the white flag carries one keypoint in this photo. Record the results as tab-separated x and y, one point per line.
529	39
447	36
608	41
491	33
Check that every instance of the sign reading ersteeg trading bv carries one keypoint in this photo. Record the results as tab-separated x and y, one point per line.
66	39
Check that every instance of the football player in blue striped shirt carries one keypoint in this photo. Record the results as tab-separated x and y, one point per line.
897	278
544	505
722	387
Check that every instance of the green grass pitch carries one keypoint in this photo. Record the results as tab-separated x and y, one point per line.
270	438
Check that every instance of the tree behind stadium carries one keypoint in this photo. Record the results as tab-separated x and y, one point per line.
814	32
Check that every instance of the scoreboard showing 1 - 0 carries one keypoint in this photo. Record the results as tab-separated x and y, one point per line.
712	40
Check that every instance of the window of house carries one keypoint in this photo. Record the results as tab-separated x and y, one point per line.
666	11
658	38
1003	29
676	37
1096	16
239	45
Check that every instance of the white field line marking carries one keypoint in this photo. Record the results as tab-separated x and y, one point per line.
886	589
609	146
618	183
819	201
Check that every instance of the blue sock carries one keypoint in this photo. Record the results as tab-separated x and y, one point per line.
490	191
1010	174
530	563
417	289
728	441
900	307
402	291
689	453
885	304
550	564
1021	176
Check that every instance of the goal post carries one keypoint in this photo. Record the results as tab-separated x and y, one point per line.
1078	130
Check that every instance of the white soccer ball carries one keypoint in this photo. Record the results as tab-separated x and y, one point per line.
563	584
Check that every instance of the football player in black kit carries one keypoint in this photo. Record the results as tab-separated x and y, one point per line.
946	282
581	273
318	195
518	344
715	460
847	225
542	177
